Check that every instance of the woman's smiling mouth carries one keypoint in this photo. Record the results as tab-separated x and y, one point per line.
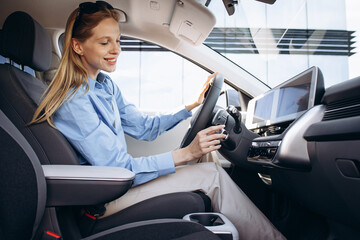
111	60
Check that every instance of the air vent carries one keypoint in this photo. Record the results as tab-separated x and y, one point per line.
342	109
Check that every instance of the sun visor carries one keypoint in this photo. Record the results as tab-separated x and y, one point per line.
191	21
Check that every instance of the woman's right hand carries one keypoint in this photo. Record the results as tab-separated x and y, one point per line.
205	141
201	96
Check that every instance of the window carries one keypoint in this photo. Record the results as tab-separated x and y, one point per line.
155	79
276	42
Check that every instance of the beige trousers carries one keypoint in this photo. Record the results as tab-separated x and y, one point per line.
210	178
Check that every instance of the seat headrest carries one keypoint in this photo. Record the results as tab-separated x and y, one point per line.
26	42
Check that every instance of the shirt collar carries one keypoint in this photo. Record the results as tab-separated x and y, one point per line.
101	77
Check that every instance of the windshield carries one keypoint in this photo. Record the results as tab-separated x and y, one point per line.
276	42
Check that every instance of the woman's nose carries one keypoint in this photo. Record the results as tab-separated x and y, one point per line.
116	48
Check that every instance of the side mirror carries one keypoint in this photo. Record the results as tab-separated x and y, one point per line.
233	98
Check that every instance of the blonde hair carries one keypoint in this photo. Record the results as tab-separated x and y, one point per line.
71	74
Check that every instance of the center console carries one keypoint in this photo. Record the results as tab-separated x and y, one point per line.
263	149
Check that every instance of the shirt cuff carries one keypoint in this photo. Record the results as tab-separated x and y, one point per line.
165	164
183	114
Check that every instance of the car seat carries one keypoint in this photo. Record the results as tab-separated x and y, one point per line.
25	42
23	198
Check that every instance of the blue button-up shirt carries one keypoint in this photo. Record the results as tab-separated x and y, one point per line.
95	122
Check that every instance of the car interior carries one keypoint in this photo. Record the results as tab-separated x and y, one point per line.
293	148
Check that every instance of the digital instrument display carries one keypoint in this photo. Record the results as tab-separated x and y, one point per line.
287	101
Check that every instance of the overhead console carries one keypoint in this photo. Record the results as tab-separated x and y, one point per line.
281	116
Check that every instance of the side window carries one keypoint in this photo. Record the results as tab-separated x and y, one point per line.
155	79
2	60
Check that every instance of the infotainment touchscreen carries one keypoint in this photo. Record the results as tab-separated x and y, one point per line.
287	101
262	110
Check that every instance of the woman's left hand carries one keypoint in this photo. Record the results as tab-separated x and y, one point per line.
201	97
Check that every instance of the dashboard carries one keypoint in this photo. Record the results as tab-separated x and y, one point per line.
272	135
312	154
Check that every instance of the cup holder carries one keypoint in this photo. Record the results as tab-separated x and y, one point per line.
215	222
207	219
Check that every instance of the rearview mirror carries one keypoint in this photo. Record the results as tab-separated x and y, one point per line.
229	5
267	1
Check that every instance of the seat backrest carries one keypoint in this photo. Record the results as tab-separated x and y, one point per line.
26	42
22	184
2	59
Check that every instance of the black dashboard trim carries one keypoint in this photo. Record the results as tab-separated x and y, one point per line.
334	130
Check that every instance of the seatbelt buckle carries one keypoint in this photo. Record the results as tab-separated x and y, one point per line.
96	210
48	235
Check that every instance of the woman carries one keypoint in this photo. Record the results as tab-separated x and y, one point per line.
88	108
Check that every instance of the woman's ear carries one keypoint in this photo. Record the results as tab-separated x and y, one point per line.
77	46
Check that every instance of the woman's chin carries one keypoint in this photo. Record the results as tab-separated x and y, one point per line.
109	69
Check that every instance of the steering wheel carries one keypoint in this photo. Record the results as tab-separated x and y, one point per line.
201	117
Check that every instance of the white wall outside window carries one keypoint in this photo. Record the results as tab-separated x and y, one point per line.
158	81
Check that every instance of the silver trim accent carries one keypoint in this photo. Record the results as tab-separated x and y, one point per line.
222	232
265	178
266	144
227	228
86	179
293	145
87	173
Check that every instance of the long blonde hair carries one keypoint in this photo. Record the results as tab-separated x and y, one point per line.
71	74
